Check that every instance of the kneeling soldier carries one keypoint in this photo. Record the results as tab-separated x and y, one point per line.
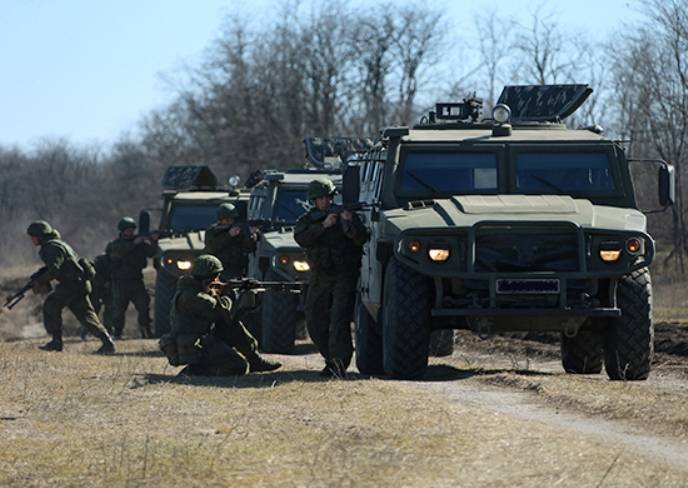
63	264
204	336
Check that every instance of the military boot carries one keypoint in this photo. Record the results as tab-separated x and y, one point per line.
54	345
258	363
146	332
108	346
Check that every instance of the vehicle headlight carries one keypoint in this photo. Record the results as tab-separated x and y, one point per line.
413	246
634	245
301	266
283	259
438	254
183	265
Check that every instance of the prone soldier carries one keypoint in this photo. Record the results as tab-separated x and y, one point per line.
333	241
230	241
128	257
73	288
204	335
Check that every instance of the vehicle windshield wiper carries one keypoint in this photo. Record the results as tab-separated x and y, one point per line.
422	182
548	183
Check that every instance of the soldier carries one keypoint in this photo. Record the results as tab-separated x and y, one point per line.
72	290
128	256
230	241
333	241
204	335
101	296
102	289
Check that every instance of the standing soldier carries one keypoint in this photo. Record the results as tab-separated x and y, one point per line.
128	256
204	335
73	288
333	243
101	296
230	241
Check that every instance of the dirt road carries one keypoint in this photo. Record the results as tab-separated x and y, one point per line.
487	416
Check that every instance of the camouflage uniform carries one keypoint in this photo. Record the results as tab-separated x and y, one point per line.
128	257
334	256
232	251
203	334
72	290
101	296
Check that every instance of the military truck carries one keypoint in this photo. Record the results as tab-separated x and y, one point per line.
508	223
191	195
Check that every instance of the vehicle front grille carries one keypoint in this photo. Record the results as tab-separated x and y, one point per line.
513	249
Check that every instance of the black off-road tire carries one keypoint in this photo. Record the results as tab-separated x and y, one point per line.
629	339
405	322
278	320
441	343
368	342
165	287
584	354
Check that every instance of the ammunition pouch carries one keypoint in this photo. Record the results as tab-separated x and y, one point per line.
88	267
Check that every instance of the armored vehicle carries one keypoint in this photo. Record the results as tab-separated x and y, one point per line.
191	195
509	223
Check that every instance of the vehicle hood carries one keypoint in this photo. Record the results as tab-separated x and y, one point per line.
193	241
280	239
465	211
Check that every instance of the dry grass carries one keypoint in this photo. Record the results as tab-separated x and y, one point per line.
75	419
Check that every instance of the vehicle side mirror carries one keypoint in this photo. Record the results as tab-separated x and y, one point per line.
144	222
667	185
644	183
351	184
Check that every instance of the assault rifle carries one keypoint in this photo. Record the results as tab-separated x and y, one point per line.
239	287
12	300
242	285
317	215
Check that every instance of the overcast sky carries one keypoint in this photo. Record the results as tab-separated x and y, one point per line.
89	69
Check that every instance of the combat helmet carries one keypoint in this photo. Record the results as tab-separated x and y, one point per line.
206	266
39	228
322	187
126	223
227	211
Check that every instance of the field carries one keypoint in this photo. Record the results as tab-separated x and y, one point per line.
499	412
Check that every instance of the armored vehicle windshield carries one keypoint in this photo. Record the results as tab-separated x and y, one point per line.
290	204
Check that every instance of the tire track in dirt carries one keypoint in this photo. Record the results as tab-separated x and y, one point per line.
521	405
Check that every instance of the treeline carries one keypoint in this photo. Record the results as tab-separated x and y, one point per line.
340	70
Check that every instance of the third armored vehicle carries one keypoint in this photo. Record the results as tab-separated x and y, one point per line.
510	223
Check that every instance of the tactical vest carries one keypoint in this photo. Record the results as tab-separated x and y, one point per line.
71	272
334	252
